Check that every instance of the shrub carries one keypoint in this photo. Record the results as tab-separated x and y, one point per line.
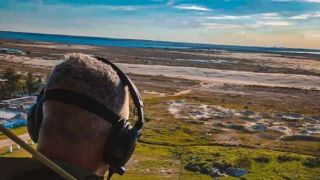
216	154
205	169
262	159
312	162
243	161
194	167
286	158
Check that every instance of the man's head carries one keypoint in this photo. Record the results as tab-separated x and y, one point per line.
72	134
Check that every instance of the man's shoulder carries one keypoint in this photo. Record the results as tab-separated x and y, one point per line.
28	168
15	165
24	168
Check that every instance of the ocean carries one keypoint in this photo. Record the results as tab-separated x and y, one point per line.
132	43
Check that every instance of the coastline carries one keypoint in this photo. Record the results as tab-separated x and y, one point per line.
219	67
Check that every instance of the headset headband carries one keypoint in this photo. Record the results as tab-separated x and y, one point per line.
134	92
82	101
92	105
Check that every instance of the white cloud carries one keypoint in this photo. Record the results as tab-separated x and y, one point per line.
251	21
192	7
274	23
302	16
270	15
225	17
307	16
222	26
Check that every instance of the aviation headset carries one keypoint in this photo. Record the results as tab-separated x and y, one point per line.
122	141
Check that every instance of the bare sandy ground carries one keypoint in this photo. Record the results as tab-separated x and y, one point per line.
44	62
257	62
55	46
267	60
226	76
193	73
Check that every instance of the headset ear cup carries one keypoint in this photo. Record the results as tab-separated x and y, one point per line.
31	120
34	119
129	146
112	142
121	145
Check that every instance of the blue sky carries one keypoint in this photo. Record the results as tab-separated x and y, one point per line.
285	23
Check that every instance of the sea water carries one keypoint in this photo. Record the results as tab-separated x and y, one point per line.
133	43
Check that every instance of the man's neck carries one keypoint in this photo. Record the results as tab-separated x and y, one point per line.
85	159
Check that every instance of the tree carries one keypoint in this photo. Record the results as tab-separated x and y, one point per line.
12	86
39	83
2	88
31	84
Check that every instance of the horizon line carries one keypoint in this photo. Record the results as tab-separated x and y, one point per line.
165	41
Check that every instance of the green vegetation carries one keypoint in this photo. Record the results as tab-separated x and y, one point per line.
12	85
162	162
287	158
16	131
32	84
17	84
169	145
268	170
16	152
312	162
262	159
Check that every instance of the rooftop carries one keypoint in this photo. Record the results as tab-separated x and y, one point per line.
7	114
21	101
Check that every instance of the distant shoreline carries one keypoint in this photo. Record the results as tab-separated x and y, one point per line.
269	70
138	43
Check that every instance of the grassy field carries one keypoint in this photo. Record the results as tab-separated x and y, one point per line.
160	162
16	152
16	131
169	144
167	162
